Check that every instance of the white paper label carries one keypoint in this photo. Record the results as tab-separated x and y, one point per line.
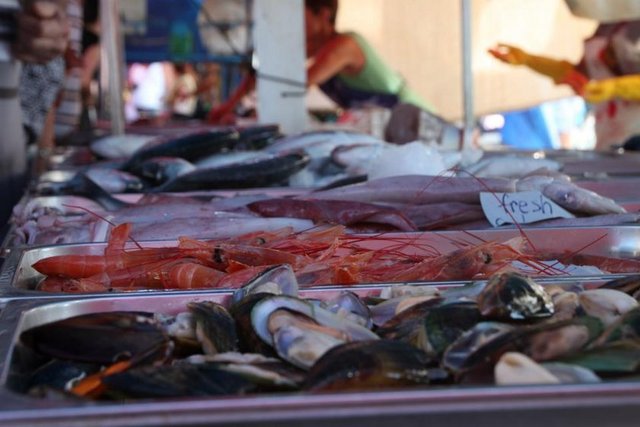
522	207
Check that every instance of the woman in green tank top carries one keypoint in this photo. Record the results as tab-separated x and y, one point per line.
346	67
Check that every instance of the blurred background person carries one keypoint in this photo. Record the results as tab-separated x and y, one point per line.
612	51
42	37
183	98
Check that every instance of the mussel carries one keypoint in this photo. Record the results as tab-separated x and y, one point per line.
372	365
514	296
176	381
214	327
301	332
277	280
101	338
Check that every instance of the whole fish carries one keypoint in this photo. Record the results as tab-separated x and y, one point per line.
81	185
569	195
159	170
115	181
418	189
319	145
190	147
265	173
257	137
333	211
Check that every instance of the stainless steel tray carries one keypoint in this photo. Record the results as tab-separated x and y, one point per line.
18	279
586	404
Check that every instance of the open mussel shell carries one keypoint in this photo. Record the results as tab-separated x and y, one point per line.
482	346
367	365
302	332
626	327
277	280
181	328
514	296
248	340
550	341
100	338
214	327
606	304
350	306
263	309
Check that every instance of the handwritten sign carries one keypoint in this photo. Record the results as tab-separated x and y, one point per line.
522	207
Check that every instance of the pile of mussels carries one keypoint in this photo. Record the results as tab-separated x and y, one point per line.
508	330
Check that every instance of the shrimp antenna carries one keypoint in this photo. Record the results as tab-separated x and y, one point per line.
515	222
97	215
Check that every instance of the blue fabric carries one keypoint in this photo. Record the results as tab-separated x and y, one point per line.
540	127
527	130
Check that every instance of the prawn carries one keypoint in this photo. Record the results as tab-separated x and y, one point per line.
115	257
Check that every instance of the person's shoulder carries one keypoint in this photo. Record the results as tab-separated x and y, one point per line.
347	41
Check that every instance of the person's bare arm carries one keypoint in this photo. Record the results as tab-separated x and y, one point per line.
43	30
341	54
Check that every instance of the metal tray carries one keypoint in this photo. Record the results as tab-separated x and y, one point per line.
586	404
18	279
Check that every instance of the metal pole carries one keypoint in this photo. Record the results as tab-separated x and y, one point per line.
467	74
111	63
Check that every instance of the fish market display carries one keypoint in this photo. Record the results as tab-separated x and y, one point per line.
268	338
400	203
321	256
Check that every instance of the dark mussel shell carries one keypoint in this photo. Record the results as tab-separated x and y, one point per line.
248	340
176	381
444	324
405	325
215	328
100	337
60	374
514	296
480	347
367	365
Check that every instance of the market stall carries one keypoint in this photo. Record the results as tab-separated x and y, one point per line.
200	274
